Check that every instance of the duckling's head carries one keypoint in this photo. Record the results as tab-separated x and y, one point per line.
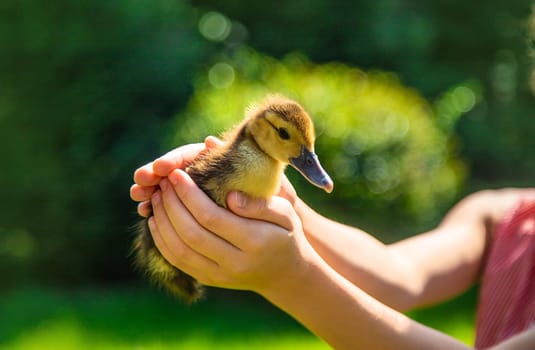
285	132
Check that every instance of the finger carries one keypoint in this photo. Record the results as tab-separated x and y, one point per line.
276	210
173	248
287	190
240	232
144	209
168	254
141	193
178	158
213	142
159	241
145	176
191	233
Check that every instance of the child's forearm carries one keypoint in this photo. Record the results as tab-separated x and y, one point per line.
361	259
346	317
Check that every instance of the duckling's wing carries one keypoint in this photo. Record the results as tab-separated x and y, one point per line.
211	173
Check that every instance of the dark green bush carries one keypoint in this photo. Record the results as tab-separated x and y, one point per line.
85	90
89	88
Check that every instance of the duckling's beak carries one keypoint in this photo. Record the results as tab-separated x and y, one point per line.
308	164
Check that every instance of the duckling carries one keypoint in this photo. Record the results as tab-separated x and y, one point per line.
273	134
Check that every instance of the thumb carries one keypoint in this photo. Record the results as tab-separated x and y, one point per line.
287	190
213	142
276	210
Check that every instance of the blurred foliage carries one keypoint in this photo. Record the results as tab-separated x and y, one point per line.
86	87
432	46
89	91
379	140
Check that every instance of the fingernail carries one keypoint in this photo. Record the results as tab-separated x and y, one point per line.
173	177
163	184
152	225
156	197
241	199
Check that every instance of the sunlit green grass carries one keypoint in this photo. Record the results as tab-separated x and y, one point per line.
122	318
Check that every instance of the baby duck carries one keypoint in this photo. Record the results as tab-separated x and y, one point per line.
274	133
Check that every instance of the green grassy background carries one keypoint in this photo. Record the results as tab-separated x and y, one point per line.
138	318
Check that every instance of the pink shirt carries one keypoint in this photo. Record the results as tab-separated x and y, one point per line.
507	294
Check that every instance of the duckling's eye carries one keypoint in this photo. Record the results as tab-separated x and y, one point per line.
283	134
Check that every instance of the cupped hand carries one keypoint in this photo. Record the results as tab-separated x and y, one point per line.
148	177
252	246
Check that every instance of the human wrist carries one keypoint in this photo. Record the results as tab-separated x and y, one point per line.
310	219
294	280
304	212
